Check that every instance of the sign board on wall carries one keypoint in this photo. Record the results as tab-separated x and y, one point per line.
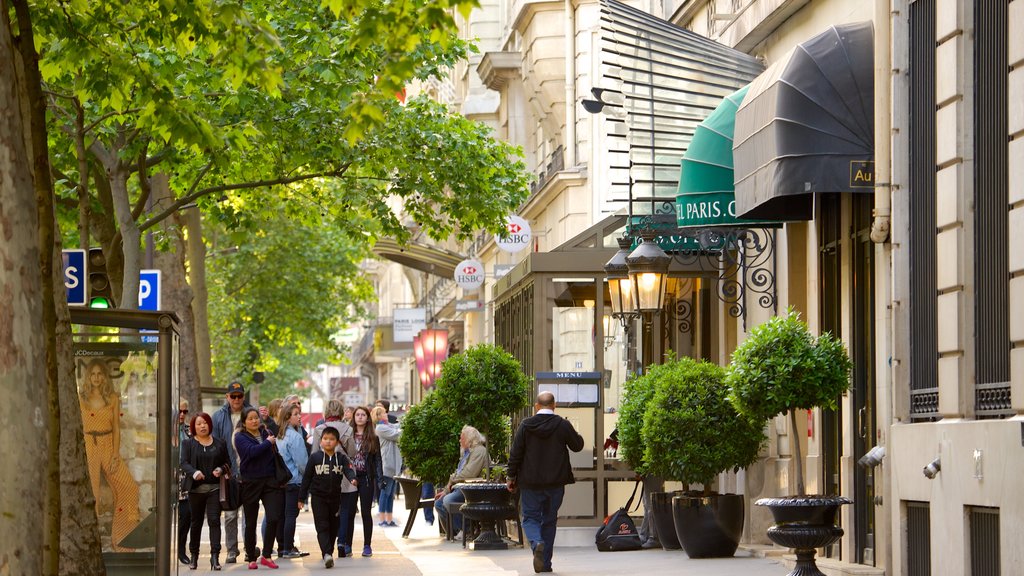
519	235
75	276
469	274
572	389
408	323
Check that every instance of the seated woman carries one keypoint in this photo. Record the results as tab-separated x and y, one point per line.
472	462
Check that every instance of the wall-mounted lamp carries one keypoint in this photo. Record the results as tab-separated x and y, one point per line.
872	458
620	287
648	271
932	469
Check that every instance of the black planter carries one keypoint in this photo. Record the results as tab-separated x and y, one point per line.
708	526
804	523
487	503
661	504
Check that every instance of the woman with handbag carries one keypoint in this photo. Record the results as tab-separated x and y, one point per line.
204	459
258	467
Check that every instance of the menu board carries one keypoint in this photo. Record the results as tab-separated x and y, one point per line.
571	389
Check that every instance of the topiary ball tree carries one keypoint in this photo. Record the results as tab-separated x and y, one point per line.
430	440
637	394
691	431
781	367
483	387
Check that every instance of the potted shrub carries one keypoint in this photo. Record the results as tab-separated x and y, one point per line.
430	441
782	368
637	395
483	387
691	433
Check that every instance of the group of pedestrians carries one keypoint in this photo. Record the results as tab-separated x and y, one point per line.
353	462
343	465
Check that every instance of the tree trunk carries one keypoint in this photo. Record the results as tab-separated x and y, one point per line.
176	294
131	238
794	440
200	300
22	344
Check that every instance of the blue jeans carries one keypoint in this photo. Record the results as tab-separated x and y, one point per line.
540	515
286	533
426	492
442	512
386	500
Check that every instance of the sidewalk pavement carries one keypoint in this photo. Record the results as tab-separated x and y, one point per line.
426	553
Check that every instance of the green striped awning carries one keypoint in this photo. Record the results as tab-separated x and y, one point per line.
705	196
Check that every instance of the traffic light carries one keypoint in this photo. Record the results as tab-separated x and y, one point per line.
100	294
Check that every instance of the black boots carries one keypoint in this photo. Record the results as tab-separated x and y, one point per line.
195	562
183	558
215	562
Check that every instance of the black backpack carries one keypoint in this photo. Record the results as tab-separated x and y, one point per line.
618	532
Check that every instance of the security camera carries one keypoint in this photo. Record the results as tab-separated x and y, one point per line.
932	469
872	458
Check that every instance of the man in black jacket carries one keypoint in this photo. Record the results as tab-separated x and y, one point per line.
539	467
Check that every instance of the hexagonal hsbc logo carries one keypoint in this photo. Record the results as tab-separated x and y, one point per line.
469	274
519	235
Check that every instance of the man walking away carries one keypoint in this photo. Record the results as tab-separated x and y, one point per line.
224	421
539	467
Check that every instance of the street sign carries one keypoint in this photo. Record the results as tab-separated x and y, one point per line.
74	277
149	290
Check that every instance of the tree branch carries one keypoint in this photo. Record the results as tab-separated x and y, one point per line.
110	114
193	196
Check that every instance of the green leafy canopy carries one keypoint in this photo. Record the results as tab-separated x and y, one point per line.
430	440
781	366
691	432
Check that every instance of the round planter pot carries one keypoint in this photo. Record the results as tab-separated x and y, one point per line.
661	505
804	523
708	526
487	503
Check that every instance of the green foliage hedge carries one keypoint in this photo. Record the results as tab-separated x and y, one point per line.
691	431
482	387
781	366
636	396
430	440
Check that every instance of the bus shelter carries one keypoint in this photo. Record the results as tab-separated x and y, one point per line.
126	366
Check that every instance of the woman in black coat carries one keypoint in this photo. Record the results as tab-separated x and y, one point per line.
204	459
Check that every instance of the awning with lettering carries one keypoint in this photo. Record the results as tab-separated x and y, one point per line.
807	127
705	195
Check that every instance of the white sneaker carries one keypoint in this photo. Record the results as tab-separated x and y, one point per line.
328	561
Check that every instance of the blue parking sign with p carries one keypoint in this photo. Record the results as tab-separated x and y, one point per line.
149	290
75	276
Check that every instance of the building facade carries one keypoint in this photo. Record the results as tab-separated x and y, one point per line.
920	271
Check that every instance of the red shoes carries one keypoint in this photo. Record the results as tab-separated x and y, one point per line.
268	562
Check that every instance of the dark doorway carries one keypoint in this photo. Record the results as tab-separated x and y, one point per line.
862	350
830	266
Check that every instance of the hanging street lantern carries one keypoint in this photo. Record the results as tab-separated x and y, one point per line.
620	287
648	272
434	341
421	363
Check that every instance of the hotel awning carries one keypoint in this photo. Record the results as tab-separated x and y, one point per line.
807	127
419	256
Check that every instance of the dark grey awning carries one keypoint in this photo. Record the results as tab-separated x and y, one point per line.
807	126
421	257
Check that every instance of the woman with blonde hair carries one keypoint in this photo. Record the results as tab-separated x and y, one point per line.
101	422
391	463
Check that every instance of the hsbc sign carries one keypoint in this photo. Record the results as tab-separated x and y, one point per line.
469	274
519	235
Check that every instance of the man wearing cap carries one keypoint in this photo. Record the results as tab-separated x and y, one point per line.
224	421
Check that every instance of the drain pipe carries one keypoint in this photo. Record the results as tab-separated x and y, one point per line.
570	86
881	224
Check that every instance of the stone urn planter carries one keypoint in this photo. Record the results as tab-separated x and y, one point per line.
804	523
487	503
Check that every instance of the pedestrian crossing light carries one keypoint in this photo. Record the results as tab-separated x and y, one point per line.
100	295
